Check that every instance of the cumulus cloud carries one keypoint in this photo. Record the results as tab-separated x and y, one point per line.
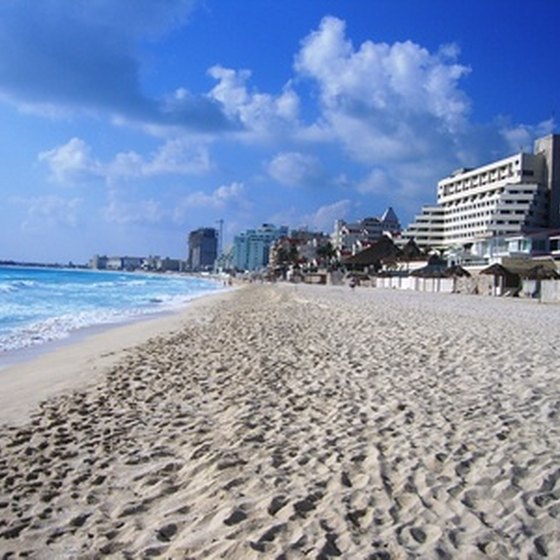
173	157
380	100
520	137
324	217
72	162
295	169
258	113
224	197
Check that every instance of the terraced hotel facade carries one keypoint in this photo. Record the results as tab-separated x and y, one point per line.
515	195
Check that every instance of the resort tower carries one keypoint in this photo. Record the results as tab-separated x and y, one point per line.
517	194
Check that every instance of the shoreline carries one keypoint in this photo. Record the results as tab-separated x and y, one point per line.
12	358
72	334
300	421
31	375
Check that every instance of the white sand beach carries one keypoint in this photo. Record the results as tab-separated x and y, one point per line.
292	422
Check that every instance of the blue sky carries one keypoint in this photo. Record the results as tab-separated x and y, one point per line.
124	125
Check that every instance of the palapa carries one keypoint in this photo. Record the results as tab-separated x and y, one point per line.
373	255
429	271
497	269
456	271
541	272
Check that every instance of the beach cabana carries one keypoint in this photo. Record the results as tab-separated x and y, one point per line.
431	278
505	281
533	277
458	275
541	272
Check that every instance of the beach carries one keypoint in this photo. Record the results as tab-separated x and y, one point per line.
292	421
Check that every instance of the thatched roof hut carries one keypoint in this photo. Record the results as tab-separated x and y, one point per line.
384	248
456	271
541	272
503	277
428	271
411	251
496	269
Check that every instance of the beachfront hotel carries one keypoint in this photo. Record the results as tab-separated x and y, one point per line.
251	248
516	195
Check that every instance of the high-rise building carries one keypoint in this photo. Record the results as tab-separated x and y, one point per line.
203	249
517	194
251	249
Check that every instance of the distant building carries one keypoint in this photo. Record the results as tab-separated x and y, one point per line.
203	249
159	264
348	237
301	247
116	263
151	263
224	262
98	262
251	248
516	195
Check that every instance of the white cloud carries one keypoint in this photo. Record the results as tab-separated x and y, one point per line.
324	217
70	162
173	157
295	169
521	137
260	114
380	100
225	196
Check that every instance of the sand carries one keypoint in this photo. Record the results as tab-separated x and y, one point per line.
301	422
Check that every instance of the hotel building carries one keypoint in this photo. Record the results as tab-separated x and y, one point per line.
516	195
251	249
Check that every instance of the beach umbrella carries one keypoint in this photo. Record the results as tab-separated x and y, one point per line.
541	272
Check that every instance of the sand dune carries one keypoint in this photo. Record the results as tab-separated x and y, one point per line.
303	422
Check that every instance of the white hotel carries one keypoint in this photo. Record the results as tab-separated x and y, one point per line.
515	195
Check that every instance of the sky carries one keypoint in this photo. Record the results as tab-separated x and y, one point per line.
126	125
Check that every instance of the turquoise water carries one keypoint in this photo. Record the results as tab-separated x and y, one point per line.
39	305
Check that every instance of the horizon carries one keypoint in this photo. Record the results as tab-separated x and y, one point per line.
127	128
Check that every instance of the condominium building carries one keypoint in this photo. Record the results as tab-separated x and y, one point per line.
517	194
346	235
203	249
251	248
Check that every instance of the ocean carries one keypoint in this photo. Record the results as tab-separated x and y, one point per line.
42	305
